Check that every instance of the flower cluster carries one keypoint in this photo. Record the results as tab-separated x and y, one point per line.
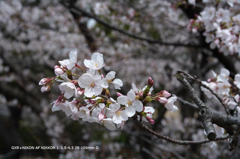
221	27
225	87
87	96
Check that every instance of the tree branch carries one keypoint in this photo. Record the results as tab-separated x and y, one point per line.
209	115
80	12
180	142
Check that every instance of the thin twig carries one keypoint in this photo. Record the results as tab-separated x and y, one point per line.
187	103
205	86
180	142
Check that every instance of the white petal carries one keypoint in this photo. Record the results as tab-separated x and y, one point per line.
96	56
237	78
114	107
117	83
85	80
124	115
70	65
117	119
63	63
137	105
69	93
97	90
130	111
134	87
122	100
56	107
105	83
149	109
88	92
175	108
108	123
225	72
131	95
73	55
97	80
88	64
110	75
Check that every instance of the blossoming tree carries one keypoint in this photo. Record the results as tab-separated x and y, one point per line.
136	79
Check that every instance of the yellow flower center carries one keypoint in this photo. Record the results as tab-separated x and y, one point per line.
92	85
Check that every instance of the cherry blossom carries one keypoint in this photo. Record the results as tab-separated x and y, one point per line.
70	63
170	104
68	88
223	76
162	96
108	123
83	112
43	81
223	88
96	62
208	13
120	116
58	70
109	79
130	102
92	84
223	15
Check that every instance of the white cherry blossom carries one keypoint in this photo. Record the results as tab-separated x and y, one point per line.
109	79
96	62
130	102
70	63
208	13
149	111
223	76
223	88
170	104
68	107
223	15
120	116
92	84
108	123
83	112
68	88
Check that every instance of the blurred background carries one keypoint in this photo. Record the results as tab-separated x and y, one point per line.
138	39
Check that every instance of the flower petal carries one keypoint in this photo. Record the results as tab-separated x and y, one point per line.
137	105
131	95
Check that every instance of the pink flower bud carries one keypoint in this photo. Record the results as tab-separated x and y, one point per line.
119	94
58	71
150	82
150	120
162	99
45	88
55	67
101	116
164	94
58	101
43	81
79	91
